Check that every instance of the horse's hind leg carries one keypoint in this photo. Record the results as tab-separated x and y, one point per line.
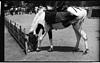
84	36
80	33
78	36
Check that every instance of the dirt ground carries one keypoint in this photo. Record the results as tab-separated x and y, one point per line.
64	40
50	62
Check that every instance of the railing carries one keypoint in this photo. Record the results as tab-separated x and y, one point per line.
18	34
93	12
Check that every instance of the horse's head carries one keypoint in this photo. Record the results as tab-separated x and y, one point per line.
36	9
33	40
41	8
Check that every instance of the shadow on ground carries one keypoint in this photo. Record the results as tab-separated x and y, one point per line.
61	48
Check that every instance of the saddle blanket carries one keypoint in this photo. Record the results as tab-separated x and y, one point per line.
52	17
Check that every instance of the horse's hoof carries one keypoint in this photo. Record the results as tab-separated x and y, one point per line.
50	50
86	51
38	49
28	51
77	50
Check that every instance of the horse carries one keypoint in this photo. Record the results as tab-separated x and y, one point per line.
75	17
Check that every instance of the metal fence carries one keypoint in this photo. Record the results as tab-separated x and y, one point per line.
17	33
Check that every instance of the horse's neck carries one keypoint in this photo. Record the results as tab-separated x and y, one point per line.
37	19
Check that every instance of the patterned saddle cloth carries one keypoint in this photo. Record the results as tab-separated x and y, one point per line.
52	17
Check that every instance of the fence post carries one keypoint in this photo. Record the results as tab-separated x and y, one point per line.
18	32
20	28
90	12
10	24
15	29
26	43
15	23
15	26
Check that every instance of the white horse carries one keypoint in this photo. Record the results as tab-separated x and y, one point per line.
77	17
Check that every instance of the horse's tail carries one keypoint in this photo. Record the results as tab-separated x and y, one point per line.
79	12
83	17
84	14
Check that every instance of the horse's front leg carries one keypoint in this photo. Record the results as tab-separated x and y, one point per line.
40	40
50	39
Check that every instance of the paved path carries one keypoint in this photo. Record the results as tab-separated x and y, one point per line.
63	41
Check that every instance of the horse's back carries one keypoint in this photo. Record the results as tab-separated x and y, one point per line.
78	11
